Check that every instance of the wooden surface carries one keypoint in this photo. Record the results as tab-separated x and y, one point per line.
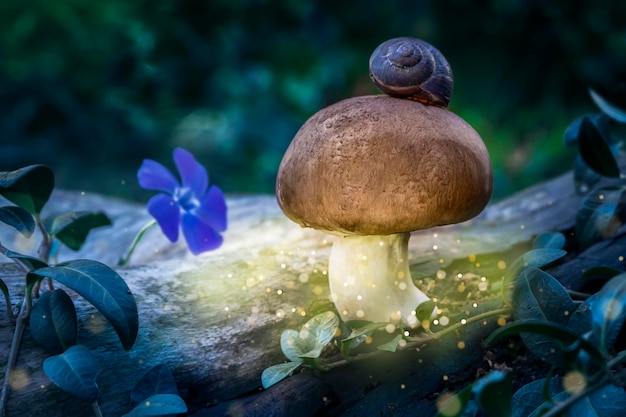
216	320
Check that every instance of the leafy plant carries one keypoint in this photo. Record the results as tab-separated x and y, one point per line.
51	313
583	340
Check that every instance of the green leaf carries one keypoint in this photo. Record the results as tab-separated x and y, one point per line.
533	258
5	291
311	339
19	219
322	327
72	228
277	373
595	150
75	372
53	322
424	312
609	401
391	345
608	312
29	261
551	240
530	399
103	288
158	380
538	295
597	218
293	345
28	187
358	336
159	405
455	405
607	108
493	393
558	331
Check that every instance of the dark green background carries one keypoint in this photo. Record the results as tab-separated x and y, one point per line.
90	88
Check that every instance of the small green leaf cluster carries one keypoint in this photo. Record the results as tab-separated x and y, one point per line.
581	339
156	394
51	314
602	211
304	347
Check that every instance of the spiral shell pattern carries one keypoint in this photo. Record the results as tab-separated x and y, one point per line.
411	68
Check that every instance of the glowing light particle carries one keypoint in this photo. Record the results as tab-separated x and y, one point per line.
435	247
574	382
19	379
501	264
501	321
463	321
444	321
390	328
449	405
460	344
441	274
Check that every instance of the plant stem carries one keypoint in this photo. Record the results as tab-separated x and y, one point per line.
417	341
46	242
15	347
96	408
123	261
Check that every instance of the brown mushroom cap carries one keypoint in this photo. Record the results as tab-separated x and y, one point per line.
377	165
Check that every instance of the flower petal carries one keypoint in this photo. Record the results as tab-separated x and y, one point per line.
154	176
200	237
212	210
167	214
194	176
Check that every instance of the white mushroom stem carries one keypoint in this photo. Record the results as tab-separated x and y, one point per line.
370	279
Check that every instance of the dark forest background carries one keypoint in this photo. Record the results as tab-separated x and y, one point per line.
90	88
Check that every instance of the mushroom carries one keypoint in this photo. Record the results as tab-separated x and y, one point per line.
370	170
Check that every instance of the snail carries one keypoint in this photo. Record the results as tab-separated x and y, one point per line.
411	68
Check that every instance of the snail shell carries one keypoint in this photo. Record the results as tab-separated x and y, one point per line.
411	68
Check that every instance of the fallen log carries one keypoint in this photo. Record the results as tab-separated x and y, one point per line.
216	320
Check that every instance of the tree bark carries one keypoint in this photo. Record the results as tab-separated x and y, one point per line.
216	320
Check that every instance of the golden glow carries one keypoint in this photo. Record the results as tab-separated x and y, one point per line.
574	382
19	379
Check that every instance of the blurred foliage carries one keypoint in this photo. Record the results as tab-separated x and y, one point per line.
92	88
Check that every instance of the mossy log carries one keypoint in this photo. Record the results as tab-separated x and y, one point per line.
216	320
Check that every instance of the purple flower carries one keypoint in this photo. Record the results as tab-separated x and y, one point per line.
195	207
